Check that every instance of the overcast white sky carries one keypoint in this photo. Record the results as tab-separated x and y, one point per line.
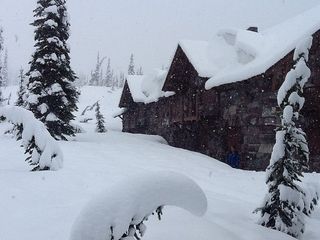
148	28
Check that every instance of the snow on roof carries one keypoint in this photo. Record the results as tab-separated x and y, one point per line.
148	88
197	53
119	112
152	85
257	52
134	83
235	55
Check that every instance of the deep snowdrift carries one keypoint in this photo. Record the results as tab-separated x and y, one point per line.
109	215
44	205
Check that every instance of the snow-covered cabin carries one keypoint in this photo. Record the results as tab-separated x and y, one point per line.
225	93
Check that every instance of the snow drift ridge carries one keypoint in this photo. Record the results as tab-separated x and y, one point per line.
133	201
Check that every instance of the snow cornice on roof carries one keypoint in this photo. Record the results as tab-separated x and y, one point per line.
148	88
266	47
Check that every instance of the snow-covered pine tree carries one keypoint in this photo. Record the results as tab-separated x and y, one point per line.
112	80
1	48
96	76
5	76
100	128
52	95
100	82
139	71
115	82
283	207
21	101
108	77
131	66
121	80
1	39
43	151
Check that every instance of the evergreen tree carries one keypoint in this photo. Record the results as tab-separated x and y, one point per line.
139	71
1	78
115	82
100	82
121	80
100	128
21	101
96	76
108	77
284	205
112	80
51	88
1	39
131	66
5	77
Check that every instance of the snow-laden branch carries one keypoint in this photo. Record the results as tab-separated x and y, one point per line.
120	212
44	151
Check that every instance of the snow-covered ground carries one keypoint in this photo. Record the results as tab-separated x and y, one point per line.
44	205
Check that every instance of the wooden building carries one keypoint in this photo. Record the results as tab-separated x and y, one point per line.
214	108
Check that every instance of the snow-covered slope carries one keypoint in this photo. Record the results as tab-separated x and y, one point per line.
108	100
44	205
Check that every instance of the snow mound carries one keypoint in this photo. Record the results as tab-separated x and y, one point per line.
46	153
111	213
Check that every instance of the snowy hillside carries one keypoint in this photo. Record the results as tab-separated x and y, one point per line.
44	205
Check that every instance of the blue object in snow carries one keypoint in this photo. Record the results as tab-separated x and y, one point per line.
233	159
